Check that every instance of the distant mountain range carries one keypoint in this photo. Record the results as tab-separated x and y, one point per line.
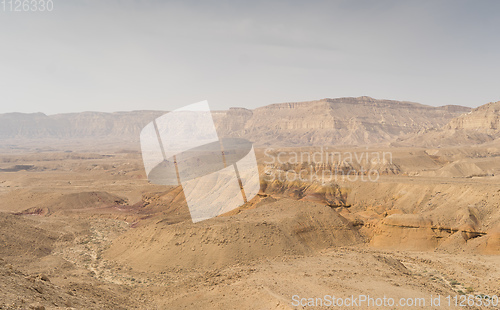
341	121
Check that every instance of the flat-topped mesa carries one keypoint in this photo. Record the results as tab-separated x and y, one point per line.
364	100
330	102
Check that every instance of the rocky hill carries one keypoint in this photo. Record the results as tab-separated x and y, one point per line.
484	119
341	121
481	125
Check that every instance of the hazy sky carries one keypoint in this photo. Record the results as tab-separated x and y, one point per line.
161	55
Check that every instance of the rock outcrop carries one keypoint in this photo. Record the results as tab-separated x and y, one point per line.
481	125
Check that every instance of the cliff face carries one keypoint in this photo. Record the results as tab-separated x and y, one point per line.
342	121
485	118
481	125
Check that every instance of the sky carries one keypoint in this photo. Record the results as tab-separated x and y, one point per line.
161	55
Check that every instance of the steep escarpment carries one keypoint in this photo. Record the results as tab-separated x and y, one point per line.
481	125
485	119
341	121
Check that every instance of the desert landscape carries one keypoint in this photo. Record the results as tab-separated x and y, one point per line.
358	196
